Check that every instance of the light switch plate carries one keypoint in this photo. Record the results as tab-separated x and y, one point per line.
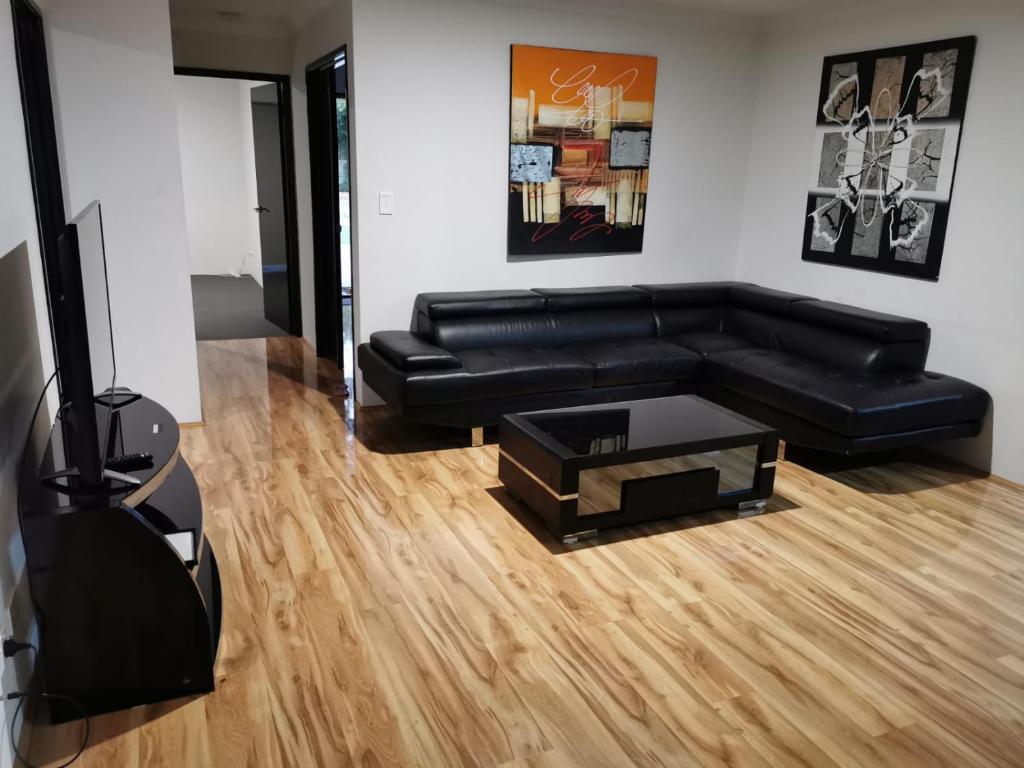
386	203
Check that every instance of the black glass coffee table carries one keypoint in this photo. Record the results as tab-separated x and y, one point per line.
594	467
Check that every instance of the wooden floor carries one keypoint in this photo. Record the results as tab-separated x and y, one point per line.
387	604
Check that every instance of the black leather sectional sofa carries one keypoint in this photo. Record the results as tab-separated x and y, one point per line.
829	376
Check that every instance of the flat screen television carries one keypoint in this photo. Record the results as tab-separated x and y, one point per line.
85	347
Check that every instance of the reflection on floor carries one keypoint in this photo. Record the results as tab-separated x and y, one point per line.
229	307
388	604
348	345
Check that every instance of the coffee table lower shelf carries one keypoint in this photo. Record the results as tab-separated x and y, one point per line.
578	495
560	512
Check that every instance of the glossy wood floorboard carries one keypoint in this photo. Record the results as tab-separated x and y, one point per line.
387	604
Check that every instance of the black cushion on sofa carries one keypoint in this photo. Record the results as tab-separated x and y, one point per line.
444	305
525	330
708	343
431	308
764	299
673	321
689	294
862	322
637	361
605	297
500	372
844	403
857	354
411	352
601	325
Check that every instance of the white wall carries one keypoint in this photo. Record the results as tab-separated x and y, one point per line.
117	125
431	83
975	309
218	169
26	355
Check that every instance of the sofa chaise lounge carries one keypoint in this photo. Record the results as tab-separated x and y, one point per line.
830	377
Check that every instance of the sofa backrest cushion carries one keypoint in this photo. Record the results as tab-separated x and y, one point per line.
689	307
859	321
675	321
432	307
544	329
690	294
605	297
764	299
858	354
602	325
460	333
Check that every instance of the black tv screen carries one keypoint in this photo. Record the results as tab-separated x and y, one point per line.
85	345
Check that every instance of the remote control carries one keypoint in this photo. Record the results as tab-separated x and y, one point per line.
130	461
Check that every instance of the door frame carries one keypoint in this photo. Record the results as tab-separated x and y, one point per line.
323	179
284	102
43	153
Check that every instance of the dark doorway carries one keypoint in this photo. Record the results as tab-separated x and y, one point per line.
328	105
266	128
276	206
41	137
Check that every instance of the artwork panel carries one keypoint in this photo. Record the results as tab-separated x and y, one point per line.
629	148
551	200
926	159
520	118
585	111
530	162
832	164
827	221
937	76
877	151
915	225
584	196
886	96
635	112
842	100
888	159
867	229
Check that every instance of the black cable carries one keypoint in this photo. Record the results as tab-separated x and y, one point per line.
21	696
50	697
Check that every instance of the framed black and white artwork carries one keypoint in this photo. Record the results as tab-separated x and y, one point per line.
889	124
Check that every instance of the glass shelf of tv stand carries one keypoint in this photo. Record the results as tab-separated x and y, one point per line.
140	426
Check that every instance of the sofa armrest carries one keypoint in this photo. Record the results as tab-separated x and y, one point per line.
410	352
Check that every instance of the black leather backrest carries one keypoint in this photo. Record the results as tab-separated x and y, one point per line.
602	325
859	321
690	294
764	299
521	330
605	297
432	307
689	307
674	321
824	345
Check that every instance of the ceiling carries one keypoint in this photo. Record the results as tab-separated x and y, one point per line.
286	16
267	15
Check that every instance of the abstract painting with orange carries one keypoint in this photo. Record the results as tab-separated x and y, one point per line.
579	151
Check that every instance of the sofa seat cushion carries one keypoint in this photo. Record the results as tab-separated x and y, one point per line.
636	361
500	372
848	404
708	342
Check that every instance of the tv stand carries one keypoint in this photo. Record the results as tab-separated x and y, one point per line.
123	579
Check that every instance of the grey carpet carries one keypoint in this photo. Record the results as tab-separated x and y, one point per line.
230	308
